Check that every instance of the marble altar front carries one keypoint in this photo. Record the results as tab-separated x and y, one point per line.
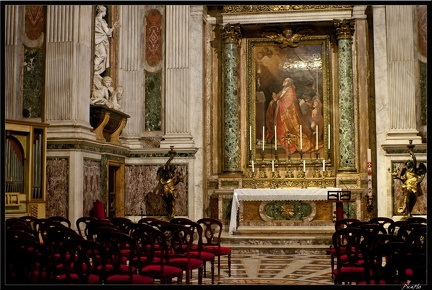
266	195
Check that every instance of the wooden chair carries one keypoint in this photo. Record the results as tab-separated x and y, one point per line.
26	262
197	248
180	241
211	240
390	263
339	224
349	255
83	262
119	264
154	253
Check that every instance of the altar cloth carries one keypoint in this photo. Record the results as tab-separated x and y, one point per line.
263	194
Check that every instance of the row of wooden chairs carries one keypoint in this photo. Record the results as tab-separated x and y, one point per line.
58	245
360	249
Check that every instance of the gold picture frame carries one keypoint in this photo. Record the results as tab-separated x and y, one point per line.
307	64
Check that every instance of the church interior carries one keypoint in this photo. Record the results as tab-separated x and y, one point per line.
276	120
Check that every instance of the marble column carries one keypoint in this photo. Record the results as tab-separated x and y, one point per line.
402	74
130	73
13	61
231	35
177	90
68	71
344	33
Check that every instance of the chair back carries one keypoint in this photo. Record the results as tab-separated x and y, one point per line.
125	225
212	231
62	220
384	222
417	219
82	224
418	238
395	226
151	245
196	229
406	229
343	223
154	222
30	220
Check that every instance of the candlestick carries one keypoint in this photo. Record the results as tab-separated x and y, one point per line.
301	140
272	165
253	166
323	162
304	165
263	141
316	137
250	137
275	139
328	145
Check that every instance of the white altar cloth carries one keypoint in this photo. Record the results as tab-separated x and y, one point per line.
275	194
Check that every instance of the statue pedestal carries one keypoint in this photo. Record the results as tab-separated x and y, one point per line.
107	123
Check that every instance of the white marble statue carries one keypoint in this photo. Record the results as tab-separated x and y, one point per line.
102	90
102	34
116	96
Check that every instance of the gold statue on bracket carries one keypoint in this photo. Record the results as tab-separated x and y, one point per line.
168	179
411	176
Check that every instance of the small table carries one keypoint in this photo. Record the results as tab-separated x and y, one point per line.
263	194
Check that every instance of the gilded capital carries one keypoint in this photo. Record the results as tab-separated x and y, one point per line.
231	33
344	28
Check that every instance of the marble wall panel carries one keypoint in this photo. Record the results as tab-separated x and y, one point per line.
57	173
91	185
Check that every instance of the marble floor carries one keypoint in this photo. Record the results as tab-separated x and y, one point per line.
273	269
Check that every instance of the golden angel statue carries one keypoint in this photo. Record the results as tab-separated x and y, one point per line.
168	179
411	176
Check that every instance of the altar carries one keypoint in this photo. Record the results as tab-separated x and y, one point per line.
267	194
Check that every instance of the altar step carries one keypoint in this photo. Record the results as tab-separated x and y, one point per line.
279	240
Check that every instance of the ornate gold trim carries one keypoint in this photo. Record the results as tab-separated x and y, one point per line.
278	8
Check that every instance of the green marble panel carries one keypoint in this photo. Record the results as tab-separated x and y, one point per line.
346	106
288	210
231	144
153	101
33	82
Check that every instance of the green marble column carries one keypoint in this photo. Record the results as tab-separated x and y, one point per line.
344	32
231	150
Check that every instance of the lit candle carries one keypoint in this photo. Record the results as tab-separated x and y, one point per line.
323	161
253	166
250	138
301	141
328	137
316	137
272	165
263	140
275	139
369	156
304	165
